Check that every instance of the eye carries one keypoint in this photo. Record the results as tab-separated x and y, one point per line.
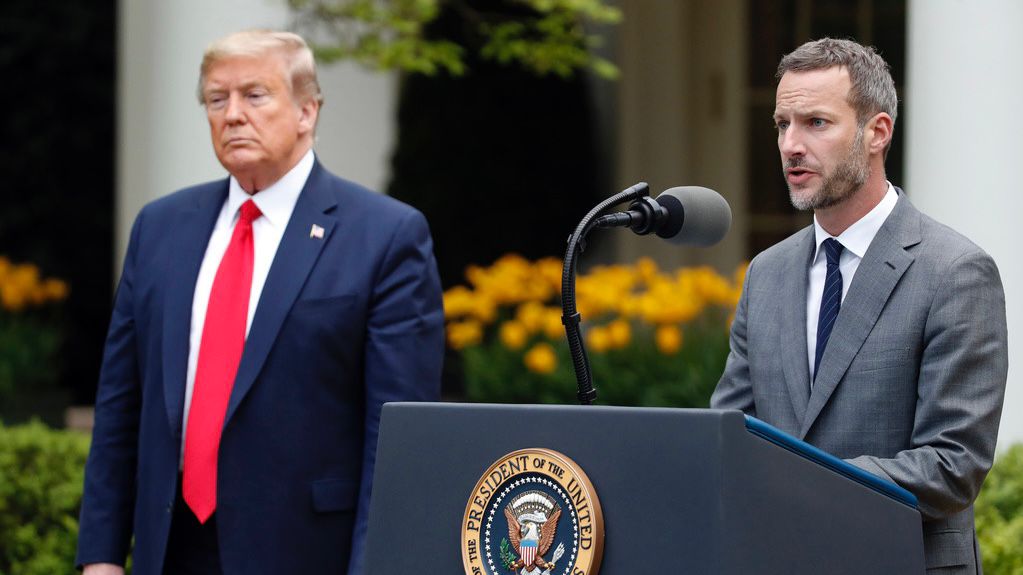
818	122
781	125
257	96
215	101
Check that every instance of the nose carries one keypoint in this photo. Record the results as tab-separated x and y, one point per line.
790	143
233	112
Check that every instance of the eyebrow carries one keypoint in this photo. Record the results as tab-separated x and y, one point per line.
811	113
244	87
254	84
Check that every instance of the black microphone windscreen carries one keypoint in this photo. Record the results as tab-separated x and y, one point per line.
697	216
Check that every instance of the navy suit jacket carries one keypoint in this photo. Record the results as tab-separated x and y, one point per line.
346	322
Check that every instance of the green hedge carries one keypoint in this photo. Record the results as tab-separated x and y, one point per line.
999	512
41	471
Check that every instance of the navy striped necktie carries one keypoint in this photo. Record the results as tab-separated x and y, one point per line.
831	301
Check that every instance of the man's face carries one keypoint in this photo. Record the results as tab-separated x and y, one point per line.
821	143
255	123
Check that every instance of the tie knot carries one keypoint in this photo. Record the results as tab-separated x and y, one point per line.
250	211
833	250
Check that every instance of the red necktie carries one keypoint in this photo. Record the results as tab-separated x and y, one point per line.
220	352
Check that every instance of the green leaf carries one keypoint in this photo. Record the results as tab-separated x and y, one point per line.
42	471
999	514
546	37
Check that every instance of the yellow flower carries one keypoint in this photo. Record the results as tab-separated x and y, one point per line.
541	358
513	262
476	275
513	334
599	339
484	309
711	286
21	286
620	333
668	339
461	302
552	326
25	276
511	279
531	315
659	309
463	334
613	295
630	306
56	290
603	290
587	309
549	271
12	298
458	301
646	268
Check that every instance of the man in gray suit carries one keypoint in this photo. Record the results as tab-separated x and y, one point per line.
876	334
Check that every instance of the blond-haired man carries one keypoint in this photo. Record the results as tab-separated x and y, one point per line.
260	323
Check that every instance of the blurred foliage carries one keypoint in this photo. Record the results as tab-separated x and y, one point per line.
999	513
58	165
496	156
544	36
654	338
41	474
29	327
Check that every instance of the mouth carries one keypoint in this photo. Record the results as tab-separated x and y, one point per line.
798	176
238	142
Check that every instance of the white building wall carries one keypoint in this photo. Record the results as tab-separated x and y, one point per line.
163	140
964	150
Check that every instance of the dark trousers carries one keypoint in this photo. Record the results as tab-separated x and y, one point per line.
192	548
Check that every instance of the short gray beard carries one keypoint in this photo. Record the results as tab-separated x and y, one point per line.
849	176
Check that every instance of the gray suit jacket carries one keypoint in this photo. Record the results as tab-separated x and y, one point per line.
911	384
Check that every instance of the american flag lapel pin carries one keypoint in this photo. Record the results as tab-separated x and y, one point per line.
316	232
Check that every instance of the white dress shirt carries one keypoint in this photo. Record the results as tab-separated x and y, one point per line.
855	239
276	204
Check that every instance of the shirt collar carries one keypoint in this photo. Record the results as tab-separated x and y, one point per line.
857	237
277	201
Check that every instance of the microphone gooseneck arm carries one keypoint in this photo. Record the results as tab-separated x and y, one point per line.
644	216
570	316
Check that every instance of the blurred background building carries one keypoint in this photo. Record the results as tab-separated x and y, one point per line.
102	118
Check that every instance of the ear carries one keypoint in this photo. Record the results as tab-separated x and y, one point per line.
878	133
308	111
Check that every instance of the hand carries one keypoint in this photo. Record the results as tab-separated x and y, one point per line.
103	569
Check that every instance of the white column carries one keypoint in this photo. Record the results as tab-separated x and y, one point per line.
163	139
964	150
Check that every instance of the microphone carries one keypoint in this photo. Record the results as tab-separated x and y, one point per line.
690	215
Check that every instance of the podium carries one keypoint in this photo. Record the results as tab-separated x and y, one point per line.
682	491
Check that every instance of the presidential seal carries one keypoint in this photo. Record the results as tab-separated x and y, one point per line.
534	512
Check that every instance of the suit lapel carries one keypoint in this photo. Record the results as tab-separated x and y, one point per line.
295	258
793	324
191	233
879	272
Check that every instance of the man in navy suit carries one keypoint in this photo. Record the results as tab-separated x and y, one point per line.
260	323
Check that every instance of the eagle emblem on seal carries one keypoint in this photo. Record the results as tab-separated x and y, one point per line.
532	523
